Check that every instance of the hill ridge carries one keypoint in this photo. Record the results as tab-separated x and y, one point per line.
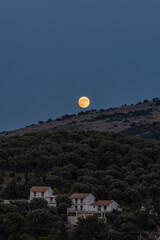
121	119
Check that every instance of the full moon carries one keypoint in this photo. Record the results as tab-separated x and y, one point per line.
84	102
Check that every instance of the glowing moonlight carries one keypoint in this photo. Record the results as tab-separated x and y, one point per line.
84	102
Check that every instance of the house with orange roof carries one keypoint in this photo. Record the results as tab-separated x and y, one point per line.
103	205
44	192
81	201
84	204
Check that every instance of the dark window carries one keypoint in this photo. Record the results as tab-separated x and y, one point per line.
105	208
75	200
81	200
51	199
99	208
81	208
42	194
34	194
76	207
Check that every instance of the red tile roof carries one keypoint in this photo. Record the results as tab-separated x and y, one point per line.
39	189
80	195
102	202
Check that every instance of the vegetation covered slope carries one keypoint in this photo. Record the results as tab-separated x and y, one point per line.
110	165
144	116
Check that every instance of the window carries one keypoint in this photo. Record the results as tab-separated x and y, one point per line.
81	200
34	194
99	208
75	200
51	199
42	194
93	206
76	207
81	208
105	208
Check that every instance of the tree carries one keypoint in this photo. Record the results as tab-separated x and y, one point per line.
62	210
63	199
62	233
15	226
100	192
38	203
63	202
12	191
145	220
41	222
90	228
22	207
154	190
3	229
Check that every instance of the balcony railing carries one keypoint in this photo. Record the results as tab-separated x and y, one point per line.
79	203
74	210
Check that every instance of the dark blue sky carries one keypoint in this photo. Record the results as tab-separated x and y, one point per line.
52	52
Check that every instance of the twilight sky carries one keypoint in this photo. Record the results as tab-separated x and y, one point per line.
54	51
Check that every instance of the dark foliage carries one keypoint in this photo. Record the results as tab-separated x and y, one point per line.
148	130
109	165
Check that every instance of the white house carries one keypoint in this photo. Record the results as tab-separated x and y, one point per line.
83	205
103	205
82	201
44	192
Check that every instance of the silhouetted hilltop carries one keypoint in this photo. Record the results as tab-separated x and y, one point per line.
141	119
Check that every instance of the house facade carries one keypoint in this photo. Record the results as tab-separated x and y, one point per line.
81	201
84	205
103	205
44	192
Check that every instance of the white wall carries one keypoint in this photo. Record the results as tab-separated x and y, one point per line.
90	199
114	205
86	202
47	193
38	194
50	192
31	195
109	208
51	203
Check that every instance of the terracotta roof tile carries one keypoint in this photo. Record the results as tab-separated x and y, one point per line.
102	202
80	195
39	188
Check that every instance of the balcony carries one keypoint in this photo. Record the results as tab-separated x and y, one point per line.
79	203
74	210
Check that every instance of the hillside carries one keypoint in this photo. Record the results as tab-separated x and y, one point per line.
142	119
110	165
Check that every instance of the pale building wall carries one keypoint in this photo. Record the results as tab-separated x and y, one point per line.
53	202
38	194
48	194
90	199
93	208
31	195
109	208
85	202
114	205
